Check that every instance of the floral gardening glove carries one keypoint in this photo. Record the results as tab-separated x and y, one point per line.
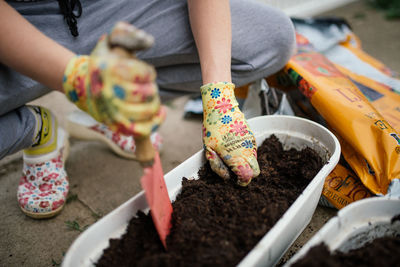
116	88
227	138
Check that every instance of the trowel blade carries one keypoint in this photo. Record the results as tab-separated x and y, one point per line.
157	197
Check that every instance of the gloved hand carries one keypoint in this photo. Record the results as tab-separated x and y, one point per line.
227	138
116	88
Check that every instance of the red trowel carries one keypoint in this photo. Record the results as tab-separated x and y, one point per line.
123	38
157	197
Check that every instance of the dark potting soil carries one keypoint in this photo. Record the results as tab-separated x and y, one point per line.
380	252
217	222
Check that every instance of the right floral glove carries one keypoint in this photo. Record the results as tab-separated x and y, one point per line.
228	140
117	89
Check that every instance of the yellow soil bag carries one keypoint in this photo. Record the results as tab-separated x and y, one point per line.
342	187
370	143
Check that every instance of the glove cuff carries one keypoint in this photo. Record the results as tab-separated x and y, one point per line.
219	85
74	79
220	93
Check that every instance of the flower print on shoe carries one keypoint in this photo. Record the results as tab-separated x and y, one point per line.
43	187
82	126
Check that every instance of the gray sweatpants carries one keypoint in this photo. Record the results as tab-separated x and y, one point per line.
262	42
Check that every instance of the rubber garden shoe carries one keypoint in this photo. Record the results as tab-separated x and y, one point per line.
43	187
82	126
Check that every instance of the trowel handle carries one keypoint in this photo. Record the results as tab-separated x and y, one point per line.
124	40
144	151
144	148
128	38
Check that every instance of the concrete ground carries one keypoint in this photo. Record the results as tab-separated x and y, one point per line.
101	181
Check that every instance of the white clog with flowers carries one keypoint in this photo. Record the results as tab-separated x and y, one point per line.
43	187
82	126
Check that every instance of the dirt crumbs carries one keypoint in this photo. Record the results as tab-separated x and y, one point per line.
216	222
380	252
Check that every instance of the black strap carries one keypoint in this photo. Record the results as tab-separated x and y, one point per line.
67	8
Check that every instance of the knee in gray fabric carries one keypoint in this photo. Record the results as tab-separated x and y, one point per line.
280	45
285	42
264	45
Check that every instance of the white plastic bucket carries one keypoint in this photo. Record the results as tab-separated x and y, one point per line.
292	132
355	225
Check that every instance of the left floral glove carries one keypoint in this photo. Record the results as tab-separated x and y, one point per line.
229	142
117	89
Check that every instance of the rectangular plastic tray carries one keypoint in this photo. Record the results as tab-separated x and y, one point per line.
292	132
355	225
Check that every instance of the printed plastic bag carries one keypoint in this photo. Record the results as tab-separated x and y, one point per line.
376	147
357	97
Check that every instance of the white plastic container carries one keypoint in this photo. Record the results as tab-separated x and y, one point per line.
355	225
292	132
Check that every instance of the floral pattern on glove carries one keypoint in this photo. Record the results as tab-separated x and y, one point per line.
228	140
119	91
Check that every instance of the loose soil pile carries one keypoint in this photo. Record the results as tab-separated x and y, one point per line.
216	222
380	252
